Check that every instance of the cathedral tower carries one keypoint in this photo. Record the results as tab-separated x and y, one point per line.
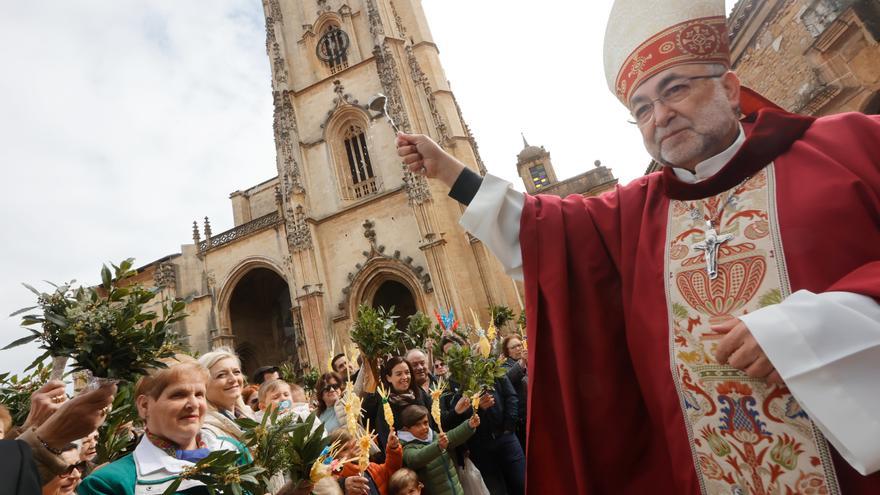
341	223
359	228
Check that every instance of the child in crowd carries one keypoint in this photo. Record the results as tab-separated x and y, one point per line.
378	475
426	452
300	403
405	482
274	394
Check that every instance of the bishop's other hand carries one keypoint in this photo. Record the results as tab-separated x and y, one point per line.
740	349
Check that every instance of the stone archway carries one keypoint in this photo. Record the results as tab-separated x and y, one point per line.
392	293
259	316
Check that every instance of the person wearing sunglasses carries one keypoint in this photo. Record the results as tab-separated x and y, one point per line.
441	370
329	388
67	481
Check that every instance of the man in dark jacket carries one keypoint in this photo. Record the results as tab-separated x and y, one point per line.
494	448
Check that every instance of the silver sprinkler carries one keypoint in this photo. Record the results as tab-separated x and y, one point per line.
378	104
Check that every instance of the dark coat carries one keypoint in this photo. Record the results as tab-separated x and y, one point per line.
500	418
18	471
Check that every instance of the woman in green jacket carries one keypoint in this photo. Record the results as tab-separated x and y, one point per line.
427	453
172	403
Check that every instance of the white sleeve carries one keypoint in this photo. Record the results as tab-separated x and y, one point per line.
493	217
827	349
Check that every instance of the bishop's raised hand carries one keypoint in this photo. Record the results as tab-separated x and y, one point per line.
423	156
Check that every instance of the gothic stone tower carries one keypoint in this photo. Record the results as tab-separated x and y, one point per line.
342	223
360	229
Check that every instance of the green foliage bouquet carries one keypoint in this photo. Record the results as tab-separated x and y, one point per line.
16	392
277	444
310	381
419	330
376	334
500	315
107	330
267	442
116	437
222	472
473	372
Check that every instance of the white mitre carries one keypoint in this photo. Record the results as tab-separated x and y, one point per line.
645	37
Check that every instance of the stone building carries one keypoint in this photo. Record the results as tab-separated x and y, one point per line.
538	175
342	223
813	57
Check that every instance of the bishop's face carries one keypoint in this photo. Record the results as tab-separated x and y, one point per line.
701	125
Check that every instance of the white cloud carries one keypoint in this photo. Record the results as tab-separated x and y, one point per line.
123	121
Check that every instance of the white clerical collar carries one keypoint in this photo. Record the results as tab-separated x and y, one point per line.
710	167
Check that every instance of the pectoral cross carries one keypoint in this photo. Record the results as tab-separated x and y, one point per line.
709	246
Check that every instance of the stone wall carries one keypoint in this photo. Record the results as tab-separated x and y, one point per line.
816	57
590	183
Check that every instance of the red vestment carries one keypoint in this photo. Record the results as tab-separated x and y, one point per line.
604	412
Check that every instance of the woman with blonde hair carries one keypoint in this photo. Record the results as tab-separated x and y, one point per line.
225	401
225	385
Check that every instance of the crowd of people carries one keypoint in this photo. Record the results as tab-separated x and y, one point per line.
189	409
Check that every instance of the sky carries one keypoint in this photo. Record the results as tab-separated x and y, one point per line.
123	121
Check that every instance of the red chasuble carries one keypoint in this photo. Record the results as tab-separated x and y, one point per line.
625	394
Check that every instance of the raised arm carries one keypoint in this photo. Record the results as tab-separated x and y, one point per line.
493	206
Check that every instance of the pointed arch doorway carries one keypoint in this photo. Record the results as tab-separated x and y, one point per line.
261	320
392	293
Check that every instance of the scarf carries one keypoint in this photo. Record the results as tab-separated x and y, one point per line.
193	455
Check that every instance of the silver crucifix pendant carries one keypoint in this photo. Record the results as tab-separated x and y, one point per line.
709	246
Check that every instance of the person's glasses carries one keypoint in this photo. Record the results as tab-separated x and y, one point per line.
437	366
331	386
79	466
680	89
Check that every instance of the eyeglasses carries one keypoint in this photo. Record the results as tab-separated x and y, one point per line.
439	365
674	93
331	386
79	466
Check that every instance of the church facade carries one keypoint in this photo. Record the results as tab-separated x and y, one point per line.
342	224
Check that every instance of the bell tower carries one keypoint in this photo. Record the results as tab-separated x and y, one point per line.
535	168
354	219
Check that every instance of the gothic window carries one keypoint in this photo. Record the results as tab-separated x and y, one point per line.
539	176
360	169
333	48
